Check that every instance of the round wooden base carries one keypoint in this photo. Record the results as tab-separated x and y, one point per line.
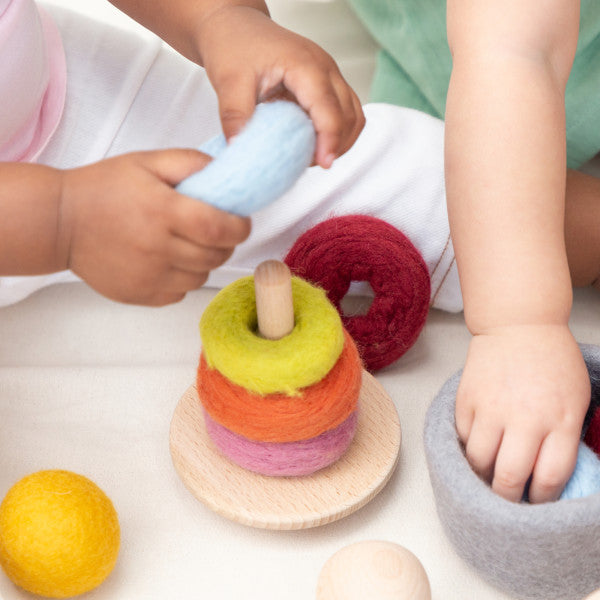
287	503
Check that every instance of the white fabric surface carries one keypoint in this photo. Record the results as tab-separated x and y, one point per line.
90	385
126	93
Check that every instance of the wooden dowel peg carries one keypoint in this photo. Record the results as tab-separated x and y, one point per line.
274	301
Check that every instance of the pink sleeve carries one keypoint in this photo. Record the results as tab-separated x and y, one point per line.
32	79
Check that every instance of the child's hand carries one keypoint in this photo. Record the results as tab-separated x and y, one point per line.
133	238
520	407
249	58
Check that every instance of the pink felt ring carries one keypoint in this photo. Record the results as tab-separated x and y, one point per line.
283	458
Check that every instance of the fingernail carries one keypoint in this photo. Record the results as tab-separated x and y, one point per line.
328	160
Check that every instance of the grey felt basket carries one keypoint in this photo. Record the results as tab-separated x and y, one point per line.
535	552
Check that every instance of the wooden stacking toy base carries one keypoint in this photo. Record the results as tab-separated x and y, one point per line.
286	503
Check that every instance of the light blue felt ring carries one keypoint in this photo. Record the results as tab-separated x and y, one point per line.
258	165
585	480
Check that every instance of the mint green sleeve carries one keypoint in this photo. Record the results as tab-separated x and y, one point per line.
583	90
414	65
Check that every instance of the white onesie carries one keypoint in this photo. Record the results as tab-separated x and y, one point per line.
128	92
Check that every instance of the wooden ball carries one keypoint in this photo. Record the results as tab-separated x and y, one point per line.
375	570
593	596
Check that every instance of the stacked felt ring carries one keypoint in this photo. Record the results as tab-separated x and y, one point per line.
284	407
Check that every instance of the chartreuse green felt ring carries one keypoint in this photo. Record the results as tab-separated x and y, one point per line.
232	345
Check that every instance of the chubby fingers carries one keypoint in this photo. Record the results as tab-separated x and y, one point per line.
352	107
202	236
555	463
237	100
201	239
515	462
174	165
481	439
503	458
196	258
508	459
481	448
332	105
206	226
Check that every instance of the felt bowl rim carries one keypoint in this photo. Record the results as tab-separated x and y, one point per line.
464	502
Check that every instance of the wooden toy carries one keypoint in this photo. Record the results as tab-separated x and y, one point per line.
286	502
375	570
209	453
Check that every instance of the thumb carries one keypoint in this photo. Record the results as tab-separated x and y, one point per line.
236	105
174	165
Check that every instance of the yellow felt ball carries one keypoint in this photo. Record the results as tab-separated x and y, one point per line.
59	534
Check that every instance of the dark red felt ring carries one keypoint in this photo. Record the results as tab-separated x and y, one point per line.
592	435
350	248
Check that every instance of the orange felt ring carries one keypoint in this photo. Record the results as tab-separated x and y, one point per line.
279	417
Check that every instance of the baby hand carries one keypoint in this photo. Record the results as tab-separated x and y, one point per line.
249	58
520	407
133	238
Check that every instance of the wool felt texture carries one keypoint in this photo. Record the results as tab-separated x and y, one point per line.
59	534
263	161
288	458
228	329
350	248
533	551
279	417
592	435
585	480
